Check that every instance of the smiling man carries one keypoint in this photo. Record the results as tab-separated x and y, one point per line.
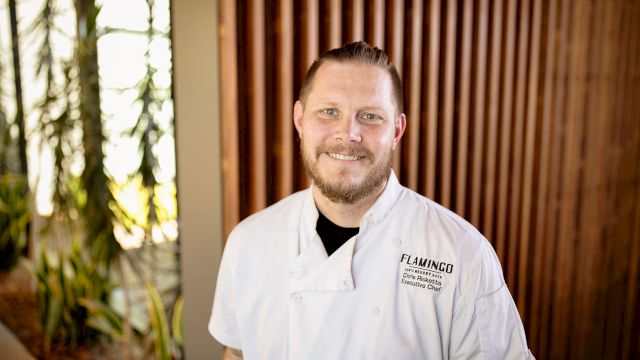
358	266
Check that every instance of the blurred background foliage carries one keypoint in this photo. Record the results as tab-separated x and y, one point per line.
14	217
104	254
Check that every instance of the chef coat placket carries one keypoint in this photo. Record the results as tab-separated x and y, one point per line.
311	275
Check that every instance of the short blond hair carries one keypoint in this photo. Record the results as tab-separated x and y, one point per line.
359	52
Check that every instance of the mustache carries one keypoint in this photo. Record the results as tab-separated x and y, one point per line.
350	150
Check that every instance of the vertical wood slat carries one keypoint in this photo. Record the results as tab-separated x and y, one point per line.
499	112
229	115
589	260
631	306
634	257
556	337
310	51
284	136
518	129
542	233
505	136
395	49
530	129
412	135
311	33
335	23
433	61
492	121
621	205
479	111
569	183
449	87
463	120
551	260
605	97
357	24
395	46
257	110
376	28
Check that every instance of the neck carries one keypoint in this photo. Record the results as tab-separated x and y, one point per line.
343	214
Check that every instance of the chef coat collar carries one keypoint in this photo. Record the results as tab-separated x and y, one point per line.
382	207
376	213
311	269
304	227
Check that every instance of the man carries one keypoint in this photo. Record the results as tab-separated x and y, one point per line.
358	266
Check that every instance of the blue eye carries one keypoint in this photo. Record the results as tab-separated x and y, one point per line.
369	117
330	112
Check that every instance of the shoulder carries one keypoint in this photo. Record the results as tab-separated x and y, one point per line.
446	233
429	214
268	223
274	215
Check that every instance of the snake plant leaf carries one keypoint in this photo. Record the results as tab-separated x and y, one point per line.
159	323
177	321
53	319
104	319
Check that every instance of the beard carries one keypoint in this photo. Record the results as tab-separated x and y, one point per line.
347	192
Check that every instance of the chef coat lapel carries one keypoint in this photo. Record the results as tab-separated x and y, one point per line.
311	269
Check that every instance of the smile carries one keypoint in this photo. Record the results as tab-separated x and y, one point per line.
344	157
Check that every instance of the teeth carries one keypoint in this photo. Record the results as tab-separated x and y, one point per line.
343	157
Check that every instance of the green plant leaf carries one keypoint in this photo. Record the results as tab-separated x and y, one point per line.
159	323
53	319
177	321
104	319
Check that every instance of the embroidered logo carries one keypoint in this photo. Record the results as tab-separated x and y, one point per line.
423	272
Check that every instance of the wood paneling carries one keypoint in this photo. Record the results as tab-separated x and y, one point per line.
523	117
464	108
431	114
283	140
413	90
229	113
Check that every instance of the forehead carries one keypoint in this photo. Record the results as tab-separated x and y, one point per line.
351	81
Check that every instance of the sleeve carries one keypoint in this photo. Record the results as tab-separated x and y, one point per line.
486	323
223	324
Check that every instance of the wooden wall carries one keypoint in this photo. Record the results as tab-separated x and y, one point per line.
523	117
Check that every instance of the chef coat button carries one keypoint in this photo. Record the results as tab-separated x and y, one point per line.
297	298
397	242
375	311
295	273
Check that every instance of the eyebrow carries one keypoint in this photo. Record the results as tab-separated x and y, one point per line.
326	102
372	108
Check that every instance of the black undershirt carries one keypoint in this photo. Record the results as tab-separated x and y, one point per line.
332	235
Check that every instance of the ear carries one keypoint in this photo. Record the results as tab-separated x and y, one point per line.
298	110
399	126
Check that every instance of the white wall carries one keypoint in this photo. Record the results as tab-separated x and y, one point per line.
196	85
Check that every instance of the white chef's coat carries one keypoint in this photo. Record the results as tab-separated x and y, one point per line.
417	282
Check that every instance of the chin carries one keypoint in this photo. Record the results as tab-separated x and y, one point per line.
343	178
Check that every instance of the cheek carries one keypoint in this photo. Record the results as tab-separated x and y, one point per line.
384	141
318	131
314	136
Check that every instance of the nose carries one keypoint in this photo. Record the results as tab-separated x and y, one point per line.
348	130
